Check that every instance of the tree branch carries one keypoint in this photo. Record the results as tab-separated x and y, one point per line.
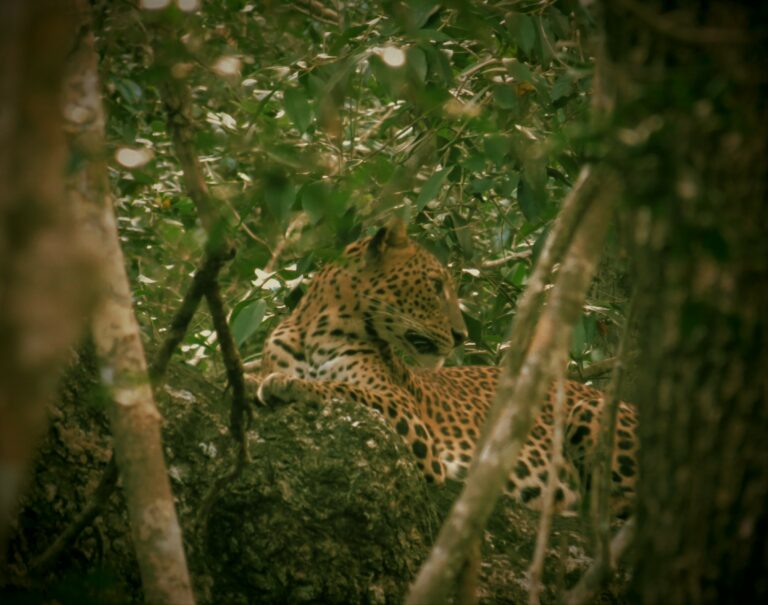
518	401
536	570
529	307
603	457
498	262
176	97
133	415
205	275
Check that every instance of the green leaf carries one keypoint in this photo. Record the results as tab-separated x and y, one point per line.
579	339
129	90
433	35
246	318
507	186
520	71
298	108
480	185
505	97
518	275
526	33
431	188
416	62
561	88
314	200
497	147
279	195
529	204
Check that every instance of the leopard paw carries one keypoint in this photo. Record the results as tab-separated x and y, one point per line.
277	389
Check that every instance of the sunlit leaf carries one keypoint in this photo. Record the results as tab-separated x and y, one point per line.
246	318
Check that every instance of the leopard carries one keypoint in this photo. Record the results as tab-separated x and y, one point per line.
375	327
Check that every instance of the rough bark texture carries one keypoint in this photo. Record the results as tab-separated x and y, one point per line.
43	265
133	415
691	139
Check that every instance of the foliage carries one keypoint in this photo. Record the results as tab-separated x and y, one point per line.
313	124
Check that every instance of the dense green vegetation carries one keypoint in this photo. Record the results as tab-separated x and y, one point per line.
281	132
313	125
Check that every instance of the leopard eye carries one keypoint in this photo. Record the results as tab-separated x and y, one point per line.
438	285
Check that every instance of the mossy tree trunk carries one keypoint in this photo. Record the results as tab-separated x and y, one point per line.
690	138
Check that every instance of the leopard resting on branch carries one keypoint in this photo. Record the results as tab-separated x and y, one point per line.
388	294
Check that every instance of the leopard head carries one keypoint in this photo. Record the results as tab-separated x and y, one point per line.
408	296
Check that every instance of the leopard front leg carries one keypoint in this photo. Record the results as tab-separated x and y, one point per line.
279	388
392	403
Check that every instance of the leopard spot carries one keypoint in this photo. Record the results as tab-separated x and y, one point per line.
521	470
579	434
530	493
420	449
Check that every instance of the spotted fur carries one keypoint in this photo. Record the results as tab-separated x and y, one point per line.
389	294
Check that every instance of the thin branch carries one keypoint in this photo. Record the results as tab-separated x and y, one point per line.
536	570
499	262
603	454
240	412
133	414
598	368
176	97
205	275
519	400
529	305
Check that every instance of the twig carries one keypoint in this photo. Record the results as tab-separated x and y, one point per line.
498	262
107	484
205	275
240	412
176	97
598	368
604	454
536	570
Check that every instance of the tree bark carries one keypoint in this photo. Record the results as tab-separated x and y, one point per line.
45	281
691	141
134	418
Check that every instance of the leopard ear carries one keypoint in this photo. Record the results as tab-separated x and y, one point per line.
392	235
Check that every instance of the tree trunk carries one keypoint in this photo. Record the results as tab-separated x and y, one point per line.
44	265
134	418
690	137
